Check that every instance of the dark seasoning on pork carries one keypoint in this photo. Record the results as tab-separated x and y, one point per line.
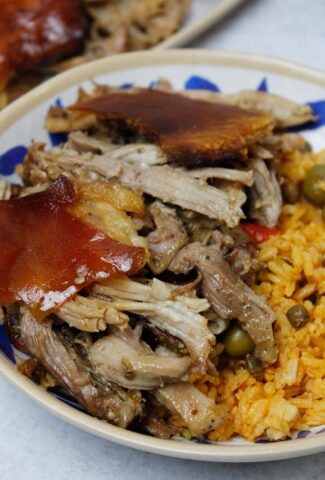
170	178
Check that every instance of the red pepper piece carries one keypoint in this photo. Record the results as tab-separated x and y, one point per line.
258	233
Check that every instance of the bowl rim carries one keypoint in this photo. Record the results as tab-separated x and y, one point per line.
127	61
190	450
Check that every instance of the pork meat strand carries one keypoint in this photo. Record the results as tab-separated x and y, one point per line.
285	112
265	196
200	413
133	365
179	316
229	296
168	237
90	314
168	184
111	403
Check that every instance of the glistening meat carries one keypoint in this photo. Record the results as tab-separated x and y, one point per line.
110	403
229	296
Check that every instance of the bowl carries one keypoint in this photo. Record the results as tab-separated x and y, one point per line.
22	121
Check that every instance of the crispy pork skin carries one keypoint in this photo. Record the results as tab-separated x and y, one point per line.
190	132
33	32
285	112
39	234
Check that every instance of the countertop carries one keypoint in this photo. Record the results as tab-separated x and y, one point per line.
33	444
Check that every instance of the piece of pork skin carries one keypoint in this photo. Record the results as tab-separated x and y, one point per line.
285	113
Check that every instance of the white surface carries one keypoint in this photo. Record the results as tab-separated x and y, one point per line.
35	445
290	29
200	18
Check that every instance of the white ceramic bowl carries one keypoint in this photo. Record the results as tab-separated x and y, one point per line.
22	121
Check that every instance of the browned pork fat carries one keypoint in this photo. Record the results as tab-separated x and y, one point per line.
285	112
190	132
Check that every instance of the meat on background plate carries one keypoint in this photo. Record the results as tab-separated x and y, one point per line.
40	38
33	32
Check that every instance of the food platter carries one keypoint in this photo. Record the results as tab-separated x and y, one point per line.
23	120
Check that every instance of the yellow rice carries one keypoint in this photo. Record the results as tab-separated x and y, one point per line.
290	395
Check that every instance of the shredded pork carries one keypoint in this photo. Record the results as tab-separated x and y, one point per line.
229	296
168	237
162	329
180	316
90	314
133	365
285	113
199	412
163	182
110	403
265	195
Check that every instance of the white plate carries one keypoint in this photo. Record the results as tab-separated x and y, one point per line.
22	121
202	15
